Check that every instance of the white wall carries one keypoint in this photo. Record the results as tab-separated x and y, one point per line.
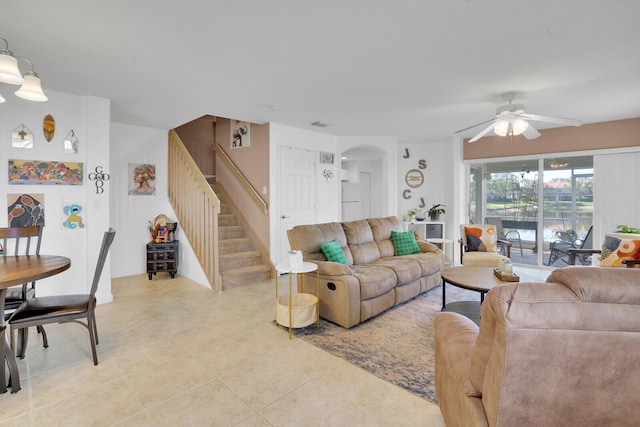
388	182
89	118
437	187
130	214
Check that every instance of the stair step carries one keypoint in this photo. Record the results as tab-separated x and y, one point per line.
227	219
245	275
230	261
225	209
230	232
242	244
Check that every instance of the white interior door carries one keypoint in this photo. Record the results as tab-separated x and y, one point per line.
297	193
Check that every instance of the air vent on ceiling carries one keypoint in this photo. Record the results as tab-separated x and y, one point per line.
319	124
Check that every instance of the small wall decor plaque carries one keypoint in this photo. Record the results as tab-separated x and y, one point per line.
22	137
49	127
99	177
414	178
326	157
71	143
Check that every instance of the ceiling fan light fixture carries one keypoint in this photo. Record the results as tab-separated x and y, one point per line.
510	127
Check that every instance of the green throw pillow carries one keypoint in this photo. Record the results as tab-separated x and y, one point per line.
404	243
333	252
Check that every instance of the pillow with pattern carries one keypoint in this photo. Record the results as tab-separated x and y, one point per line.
333	252
404	243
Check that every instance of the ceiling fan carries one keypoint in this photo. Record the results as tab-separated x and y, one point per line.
511	120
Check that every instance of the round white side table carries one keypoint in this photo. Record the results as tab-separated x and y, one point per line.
309	300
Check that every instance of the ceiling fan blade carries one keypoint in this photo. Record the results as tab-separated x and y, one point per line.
551	119
530	132
478	124
484	132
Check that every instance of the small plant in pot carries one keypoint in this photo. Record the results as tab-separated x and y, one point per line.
435	211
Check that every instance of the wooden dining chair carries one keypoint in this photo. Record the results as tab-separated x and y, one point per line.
21	241
63	308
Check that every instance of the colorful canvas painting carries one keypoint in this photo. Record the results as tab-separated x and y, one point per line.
25	209
43	172
71	212
142	179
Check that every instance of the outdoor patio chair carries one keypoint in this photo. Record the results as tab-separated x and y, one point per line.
63	308
512	236
564	250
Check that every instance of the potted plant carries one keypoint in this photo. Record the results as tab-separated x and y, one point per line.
435	211
411	213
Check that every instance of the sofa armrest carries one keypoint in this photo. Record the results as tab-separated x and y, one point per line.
329	268
454	340
455	336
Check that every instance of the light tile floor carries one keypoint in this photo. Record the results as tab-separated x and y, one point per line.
175	353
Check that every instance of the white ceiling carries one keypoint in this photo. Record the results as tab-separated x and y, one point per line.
416	69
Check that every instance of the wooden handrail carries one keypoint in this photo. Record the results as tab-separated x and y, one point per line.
197	208
255	195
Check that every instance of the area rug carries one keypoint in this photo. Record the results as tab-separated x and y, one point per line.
396	346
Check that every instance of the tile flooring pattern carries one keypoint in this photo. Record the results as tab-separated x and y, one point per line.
174	353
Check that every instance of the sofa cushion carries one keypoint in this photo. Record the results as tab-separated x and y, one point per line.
406	269
360	240
374	280
333	252
308	238
381	229
429	262
404	243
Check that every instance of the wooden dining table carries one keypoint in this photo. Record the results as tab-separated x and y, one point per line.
17	270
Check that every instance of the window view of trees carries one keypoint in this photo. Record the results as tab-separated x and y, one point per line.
509	190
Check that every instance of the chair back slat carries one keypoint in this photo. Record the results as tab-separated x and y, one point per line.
104	251
13	238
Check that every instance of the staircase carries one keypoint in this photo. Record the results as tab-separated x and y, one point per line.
240	263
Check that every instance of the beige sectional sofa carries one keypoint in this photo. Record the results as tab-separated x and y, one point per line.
373	279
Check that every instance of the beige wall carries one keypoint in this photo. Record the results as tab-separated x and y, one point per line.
197	137
253	162
595	136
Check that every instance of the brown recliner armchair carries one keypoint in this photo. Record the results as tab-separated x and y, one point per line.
564	353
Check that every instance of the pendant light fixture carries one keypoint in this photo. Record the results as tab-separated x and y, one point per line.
31	89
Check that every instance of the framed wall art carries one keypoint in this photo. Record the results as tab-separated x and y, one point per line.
142	179
44	172
25	209
240	134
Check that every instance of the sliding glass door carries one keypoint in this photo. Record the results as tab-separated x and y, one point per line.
509	194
